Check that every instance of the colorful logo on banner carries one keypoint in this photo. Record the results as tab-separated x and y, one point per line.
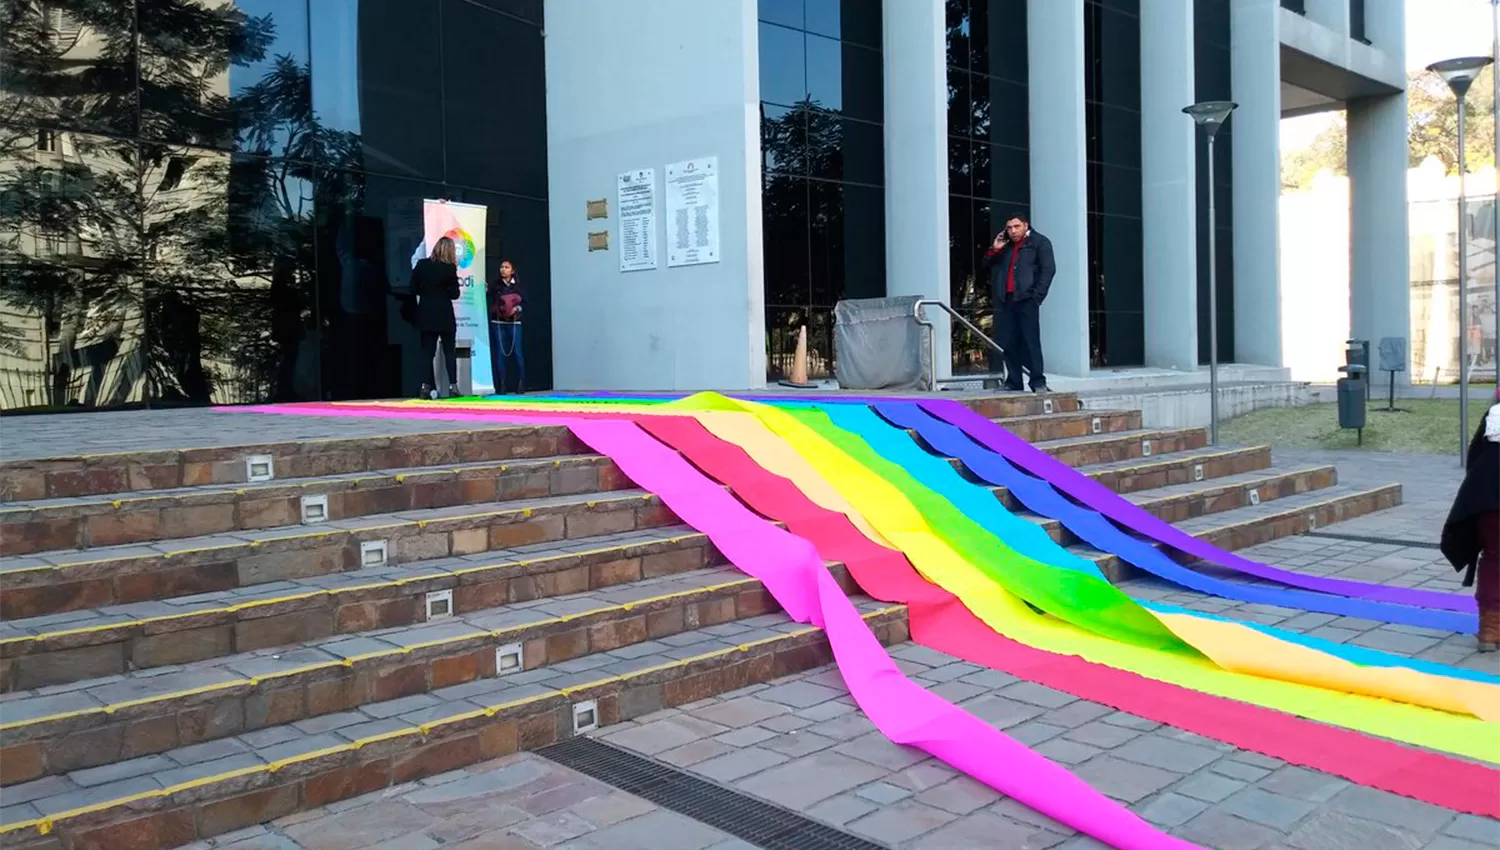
463	246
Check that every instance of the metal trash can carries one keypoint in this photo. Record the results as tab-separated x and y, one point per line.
464	348
1353	396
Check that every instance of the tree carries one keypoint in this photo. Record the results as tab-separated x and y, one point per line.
1432	130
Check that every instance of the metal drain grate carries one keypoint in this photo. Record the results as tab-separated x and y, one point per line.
1384	541
760	823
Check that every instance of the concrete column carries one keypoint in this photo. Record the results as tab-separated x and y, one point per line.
670	328
916	161
1169	184
1059	180
1379	250
1255	79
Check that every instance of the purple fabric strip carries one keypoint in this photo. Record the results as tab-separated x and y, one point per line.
1100	498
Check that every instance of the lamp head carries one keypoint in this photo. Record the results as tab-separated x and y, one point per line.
1460	73
1211	114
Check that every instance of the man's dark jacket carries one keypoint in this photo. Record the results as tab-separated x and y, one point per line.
1479	493
1035	268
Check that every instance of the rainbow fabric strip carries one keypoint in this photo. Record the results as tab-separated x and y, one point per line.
861	462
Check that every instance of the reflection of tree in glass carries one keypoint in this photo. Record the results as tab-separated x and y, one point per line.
210	250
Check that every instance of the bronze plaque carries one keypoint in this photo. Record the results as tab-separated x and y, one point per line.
599	241
598	209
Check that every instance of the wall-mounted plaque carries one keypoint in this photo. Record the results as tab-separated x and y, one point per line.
598	209
599	241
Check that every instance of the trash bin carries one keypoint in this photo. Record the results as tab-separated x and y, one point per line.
1353	395
464	348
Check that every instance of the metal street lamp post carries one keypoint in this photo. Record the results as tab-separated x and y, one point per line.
1211	115
1459	74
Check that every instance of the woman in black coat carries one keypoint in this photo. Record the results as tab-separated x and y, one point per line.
1471	536
434	281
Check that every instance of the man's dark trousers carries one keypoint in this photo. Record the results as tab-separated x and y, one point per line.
1018	330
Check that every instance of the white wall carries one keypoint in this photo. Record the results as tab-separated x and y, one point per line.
1255	79
916	161
1169	184
642	84
1059	183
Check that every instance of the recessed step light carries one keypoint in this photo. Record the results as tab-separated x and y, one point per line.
1254	496
314	509
1096	425
439	604
509	659
1197	472
585	716
1046	405
259	468
373	553
1145	448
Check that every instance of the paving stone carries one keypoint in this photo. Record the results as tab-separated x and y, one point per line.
1240	770
800	694
1123	780
883	793
557	828
746	736
1171	810
1223	831
652	738
1473	828
877	749
735	713
1393	810
1303	784
1332	830
739	763
802	782
798	744
1444	842
1209	787
121	770
1000	711
900	822
1166	754
1063	751
960	795
1263	807
694	751
1034	694
840	809
654	830
366	827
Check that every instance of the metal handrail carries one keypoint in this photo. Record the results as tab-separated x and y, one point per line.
932	338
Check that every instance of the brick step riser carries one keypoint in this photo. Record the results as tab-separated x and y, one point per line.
1073	425
99	652
214	807
53	478
149	519
162	470
1166	471
145	728
319	552
144	519
1108	449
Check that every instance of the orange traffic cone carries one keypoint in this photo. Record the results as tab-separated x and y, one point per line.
799	363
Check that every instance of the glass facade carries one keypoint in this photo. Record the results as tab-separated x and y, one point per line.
205	201
823	169
1211	82
989	172
1112	120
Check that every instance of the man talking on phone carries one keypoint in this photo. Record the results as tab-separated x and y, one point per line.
1020	266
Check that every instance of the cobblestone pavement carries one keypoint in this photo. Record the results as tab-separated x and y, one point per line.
522	802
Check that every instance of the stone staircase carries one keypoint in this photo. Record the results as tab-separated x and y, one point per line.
193	641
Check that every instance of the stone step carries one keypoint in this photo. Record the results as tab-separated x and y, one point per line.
50	583
1126	445
52	650
55	582
56	649
315	446
100	721
134	471
203	790
1146	475
1065	426
141	516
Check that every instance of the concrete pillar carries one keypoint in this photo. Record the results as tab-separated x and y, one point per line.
1255	80
1059	181
670	328
1169	184
1379	248
916	161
